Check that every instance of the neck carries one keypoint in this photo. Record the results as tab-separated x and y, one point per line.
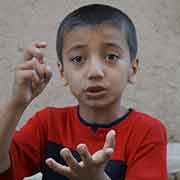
103	115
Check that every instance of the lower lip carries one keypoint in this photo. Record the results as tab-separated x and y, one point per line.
95	95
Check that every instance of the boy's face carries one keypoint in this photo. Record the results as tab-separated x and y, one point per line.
97	64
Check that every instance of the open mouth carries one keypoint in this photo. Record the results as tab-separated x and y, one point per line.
95	89
95	92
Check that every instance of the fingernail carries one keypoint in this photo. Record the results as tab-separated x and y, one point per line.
49	162
48	67
44	43
33	59
109	151
64	152
40	61
113	131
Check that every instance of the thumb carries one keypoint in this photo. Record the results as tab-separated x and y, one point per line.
102	156
110	140
48	73
38	88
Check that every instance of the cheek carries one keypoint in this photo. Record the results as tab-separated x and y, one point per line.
119	79
122	73
75	84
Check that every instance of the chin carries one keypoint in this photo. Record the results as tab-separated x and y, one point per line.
98	104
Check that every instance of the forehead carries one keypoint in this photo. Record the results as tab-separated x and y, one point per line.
86	35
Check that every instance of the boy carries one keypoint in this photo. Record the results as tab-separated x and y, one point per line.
99	138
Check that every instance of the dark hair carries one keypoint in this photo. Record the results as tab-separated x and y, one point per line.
92	15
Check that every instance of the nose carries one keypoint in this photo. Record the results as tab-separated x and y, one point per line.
95	69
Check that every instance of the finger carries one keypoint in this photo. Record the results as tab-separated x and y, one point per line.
28	75
28	65
34	51
40	69
33	65
102	156
47	73
105	154
110	140
70	160
44	71
42	44
44	79
58	168
85	154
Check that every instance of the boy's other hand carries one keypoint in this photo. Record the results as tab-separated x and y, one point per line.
31	76
91	166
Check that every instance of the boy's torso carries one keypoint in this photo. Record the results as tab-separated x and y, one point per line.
51	129
66	130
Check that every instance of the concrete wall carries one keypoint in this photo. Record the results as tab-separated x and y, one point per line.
157	91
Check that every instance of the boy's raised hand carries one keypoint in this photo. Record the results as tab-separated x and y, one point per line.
91	167
31	76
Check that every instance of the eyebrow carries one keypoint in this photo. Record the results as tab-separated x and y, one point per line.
76	47
112	44
80	46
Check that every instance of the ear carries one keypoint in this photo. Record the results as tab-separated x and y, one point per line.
133	71
61	71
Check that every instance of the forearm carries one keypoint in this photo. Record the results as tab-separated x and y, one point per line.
10	114
106	177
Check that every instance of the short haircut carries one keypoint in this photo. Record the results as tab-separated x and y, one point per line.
95	14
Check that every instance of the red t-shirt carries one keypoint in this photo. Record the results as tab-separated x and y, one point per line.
140	152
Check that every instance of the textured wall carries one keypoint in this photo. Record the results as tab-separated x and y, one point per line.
158	23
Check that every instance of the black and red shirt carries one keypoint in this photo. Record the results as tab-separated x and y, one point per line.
140	151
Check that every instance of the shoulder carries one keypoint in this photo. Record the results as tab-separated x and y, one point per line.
148	126
146	120
50	116
50	112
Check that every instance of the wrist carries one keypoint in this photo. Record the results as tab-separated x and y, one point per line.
104	176
5	163
16	105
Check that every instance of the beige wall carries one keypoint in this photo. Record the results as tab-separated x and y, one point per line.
157	91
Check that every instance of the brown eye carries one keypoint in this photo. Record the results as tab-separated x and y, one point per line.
77	60
113	58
